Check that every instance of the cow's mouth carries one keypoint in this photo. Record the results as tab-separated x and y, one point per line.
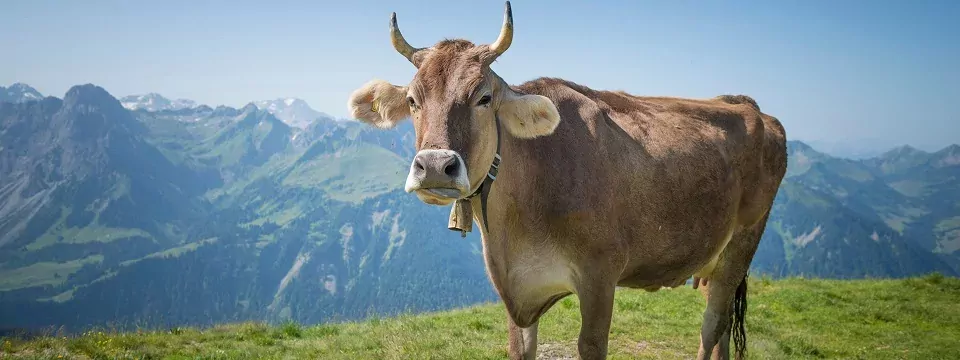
444	193
438	196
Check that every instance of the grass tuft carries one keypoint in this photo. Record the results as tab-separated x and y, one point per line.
290	329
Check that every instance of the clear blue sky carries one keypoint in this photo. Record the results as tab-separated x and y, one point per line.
834	71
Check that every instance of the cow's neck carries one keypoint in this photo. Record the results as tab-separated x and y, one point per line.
460	216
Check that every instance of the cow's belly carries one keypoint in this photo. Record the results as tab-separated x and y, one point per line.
671	270
534	282
675	238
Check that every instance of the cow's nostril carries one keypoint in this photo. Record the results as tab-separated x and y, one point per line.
418	164
451	168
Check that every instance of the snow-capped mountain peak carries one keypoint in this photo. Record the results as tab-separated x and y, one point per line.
19	92
292	111
155	102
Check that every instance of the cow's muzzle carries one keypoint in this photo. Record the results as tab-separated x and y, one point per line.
438	177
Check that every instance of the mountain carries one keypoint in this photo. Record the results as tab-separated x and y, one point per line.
930	182
292	111
200	215
855	149
155	102
893	215
80	167
19	92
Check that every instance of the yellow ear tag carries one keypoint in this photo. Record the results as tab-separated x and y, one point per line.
375	106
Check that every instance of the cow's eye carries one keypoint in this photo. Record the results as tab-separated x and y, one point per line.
484	100
411	102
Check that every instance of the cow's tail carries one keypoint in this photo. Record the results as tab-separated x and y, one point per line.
738	316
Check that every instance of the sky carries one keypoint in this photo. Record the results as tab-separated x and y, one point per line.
880	73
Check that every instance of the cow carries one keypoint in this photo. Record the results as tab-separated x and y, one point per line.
579	191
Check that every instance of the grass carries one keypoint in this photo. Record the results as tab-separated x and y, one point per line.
88	234
172	252
169	253
43	273
59	233
911	188
915	318
280	217
351	174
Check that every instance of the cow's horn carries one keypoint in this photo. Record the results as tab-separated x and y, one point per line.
399	42
506	32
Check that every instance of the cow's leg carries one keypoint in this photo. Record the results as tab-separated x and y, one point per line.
722	349
596	311
715	330
523	341
727	295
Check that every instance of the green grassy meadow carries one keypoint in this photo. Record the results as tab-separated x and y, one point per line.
796	318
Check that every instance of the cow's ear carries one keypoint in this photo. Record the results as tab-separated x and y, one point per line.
379	103
527	116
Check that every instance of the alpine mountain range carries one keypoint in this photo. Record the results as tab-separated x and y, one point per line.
151	212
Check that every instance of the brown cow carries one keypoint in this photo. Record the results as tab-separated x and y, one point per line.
589	189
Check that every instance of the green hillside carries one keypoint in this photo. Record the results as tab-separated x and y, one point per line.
796	318
891	216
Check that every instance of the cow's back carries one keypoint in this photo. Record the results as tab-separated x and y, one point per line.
671	176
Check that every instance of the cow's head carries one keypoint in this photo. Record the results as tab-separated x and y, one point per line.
454	99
